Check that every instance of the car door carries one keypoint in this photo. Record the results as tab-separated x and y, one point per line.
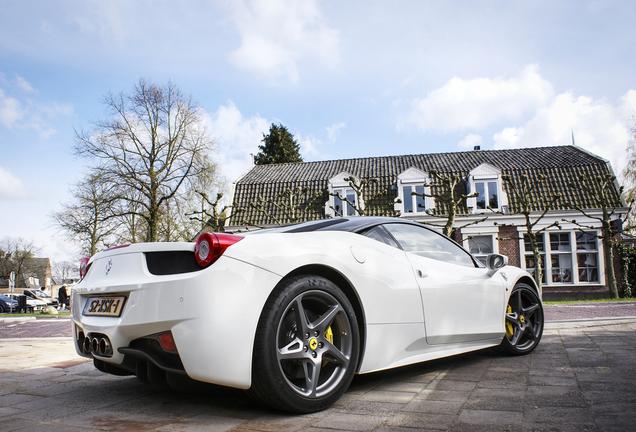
461	302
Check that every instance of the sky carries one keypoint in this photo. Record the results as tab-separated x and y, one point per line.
348	79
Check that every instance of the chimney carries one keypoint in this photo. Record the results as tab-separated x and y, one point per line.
477	148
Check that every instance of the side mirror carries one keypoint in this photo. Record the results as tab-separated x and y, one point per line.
494	262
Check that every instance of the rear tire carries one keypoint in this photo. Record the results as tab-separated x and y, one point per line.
524	321
306	347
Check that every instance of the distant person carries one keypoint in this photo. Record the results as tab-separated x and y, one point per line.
62	297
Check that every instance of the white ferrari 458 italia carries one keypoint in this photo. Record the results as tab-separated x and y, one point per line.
292	313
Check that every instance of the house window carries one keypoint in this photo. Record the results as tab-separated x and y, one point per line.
414	203
561	257
343	200
480	247
488	196
409	182
587	256
485	182
342	207
572	257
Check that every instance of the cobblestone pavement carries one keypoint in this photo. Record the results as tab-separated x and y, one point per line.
582	377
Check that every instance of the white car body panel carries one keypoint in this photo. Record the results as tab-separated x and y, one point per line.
458	301
213	313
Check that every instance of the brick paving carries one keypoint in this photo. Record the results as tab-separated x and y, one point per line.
60	326
39	328
582	377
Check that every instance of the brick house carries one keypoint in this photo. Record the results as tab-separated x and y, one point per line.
572	259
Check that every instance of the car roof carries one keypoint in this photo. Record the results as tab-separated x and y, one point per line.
351	224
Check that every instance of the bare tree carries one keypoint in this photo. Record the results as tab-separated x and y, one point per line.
529	202
15	254
209	215
362	204
289	206
154	142
602	190
88	219
65	270
450	199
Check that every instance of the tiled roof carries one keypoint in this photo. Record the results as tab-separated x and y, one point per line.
562	164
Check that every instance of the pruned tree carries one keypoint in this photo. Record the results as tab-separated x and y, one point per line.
15	254
210	215
450	198
629	173
279	146
152	145
289	206
88	218
361	189
528	202
601	189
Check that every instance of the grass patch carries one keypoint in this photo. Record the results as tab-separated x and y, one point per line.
35	314
602	300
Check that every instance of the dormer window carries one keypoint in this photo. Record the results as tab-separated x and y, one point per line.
488	194
412	181
485	180
413	203
341	197
341	205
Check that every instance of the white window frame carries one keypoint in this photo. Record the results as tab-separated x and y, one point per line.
414	178
573	253
338	184
486	173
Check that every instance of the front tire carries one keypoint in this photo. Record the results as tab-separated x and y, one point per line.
523	321
307	346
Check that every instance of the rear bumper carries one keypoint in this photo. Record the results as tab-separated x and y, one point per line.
212	315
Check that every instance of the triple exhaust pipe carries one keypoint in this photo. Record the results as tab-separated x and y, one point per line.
97	344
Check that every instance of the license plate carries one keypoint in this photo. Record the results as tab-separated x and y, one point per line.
104	306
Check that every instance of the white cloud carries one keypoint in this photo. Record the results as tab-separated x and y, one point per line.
480	102
11	112
237	137
470	141
277	35
598	126
334	130
10	186
24	113
23	84
308	146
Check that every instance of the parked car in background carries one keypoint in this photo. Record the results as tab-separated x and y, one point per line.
7	304
34	294
33	305
37	294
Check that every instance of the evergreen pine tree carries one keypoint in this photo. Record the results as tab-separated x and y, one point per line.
279	146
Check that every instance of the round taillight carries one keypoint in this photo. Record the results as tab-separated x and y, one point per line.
205	249
83	268
210	246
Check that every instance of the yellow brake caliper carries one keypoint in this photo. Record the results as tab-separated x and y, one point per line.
329	337
509	330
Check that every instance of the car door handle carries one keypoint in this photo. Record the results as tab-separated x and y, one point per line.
421	274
